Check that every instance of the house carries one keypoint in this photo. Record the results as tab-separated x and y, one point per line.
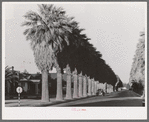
31	84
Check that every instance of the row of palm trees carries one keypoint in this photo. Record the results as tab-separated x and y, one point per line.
57	41
83	86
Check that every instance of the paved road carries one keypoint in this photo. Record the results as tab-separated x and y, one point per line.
121	98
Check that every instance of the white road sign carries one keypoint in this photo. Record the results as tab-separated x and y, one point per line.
19	89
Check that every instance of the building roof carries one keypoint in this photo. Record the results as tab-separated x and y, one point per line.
35	81
35	78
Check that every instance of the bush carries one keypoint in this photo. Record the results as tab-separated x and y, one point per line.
137	87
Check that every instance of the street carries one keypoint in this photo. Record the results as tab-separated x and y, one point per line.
120	98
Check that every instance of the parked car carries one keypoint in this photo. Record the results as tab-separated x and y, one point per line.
100	92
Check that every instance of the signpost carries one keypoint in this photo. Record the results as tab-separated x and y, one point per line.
19	91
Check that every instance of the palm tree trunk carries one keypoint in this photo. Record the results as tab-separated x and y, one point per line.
92	87
105	87
80	85
45	87
116	84
95	87
68	89
75	83
89	86
59	93
113	88
84	87
143	95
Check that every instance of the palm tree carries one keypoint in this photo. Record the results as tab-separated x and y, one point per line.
47	33
8	73
11	74
11	77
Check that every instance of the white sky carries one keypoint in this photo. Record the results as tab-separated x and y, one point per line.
113	28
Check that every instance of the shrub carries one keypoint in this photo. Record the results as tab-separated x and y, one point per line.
137	87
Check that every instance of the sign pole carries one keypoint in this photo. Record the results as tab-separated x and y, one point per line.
19	91
19	99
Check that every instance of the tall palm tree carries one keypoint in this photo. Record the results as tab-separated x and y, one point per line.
47	33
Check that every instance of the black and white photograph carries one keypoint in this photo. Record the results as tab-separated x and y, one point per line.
74	60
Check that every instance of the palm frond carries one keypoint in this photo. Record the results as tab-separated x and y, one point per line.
27	23
32	16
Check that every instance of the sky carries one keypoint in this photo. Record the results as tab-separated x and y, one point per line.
113	28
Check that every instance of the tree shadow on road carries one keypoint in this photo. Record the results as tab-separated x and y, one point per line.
112	103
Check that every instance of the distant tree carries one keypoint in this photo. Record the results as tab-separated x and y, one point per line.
127	86
25	72
11	75
38	73
137	73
